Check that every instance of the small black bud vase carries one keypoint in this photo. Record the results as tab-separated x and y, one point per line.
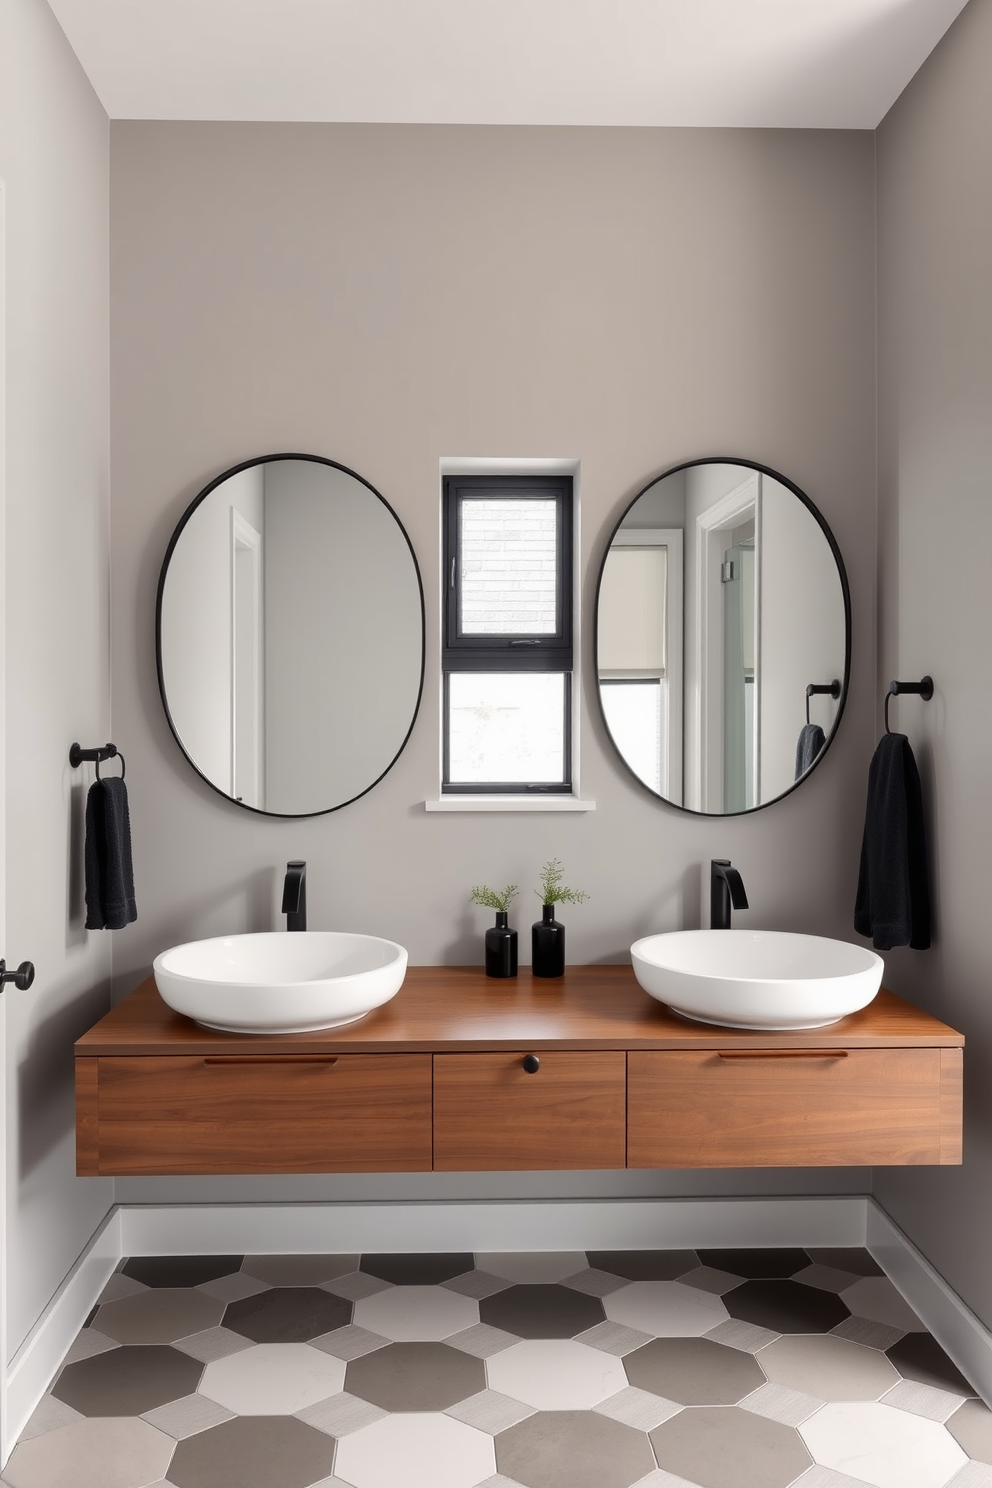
548	945
501	948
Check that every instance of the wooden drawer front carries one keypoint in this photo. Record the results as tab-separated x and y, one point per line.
489	1113
759	1108
264	1114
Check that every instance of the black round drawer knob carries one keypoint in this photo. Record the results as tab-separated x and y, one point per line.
531	1064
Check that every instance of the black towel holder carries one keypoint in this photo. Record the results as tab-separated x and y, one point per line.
923	689
105	751
831	689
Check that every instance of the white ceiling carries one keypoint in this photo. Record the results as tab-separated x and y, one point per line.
818	64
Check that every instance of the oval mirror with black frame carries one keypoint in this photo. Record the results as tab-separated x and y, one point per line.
290	635
723	636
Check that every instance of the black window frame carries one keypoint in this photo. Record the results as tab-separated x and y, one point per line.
510	652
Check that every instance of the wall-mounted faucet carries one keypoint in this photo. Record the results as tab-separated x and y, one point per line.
726	891
294	895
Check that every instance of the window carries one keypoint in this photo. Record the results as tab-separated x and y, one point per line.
507	652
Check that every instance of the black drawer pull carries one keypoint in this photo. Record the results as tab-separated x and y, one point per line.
531	1063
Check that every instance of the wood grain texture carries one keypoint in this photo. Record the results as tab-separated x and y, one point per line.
951	1105
87	1120
460	1009
693	1109
355	1114
490	1114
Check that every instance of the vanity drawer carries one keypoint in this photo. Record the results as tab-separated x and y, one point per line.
491	1114
793	1107
291	1113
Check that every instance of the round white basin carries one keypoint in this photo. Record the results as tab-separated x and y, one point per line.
760	979
273	982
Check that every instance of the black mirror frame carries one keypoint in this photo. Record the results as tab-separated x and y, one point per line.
177	533
845	592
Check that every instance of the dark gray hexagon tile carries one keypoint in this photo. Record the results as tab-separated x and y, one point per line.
786	1307
541	1311
159	1315
415	1377
179	1271
299	1270
288	1315
694	1371
644	1265
851	1258
573	1449
417	1270
756	1265
128	1381
919	1357
254	1452
971	1428
725	1447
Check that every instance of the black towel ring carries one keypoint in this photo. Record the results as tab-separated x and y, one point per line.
116	755
923	689
106	751
832	689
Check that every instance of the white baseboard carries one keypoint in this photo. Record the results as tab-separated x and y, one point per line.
33	1367
956	1328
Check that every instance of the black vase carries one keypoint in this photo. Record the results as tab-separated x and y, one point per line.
501	948
548	945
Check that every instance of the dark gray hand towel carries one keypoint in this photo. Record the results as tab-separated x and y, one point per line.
893	903
811	741
109	875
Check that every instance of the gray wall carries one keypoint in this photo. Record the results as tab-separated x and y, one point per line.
414	293
54	170
935	535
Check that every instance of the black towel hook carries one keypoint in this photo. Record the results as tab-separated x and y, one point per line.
832	689
106	751
923	689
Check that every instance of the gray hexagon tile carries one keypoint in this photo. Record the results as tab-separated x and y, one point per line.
645	1265
119	1453
694	1371
128	1381
415	1376
856	1261
971	1427
541	1310
299	1270
272	1379
786	1306
418	1451
720	1446
416	1313
554	1374
179	1271
542	1266
287	1315
829	1367
119	1286
159	1315
918	1356
757	1264
417	1270
875	1297
573	1449
666	1309
254	1452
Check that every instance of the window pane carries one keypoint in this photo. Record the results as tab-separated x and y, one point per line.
636	713
506	729
508	567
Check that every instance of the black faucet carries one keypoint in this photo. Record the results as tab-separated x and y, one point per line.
294	895
726	890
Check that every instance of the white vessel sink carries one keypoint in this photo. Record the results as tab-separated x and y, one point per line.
760	979
274	982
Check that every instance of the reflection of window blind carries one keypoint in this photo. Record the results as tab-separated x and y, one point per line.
632	606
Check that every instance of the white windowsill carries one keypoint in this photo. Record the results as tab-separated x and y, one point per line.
509	803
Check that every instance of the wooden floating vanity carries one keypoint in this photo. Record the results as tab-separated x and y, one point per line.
437	1079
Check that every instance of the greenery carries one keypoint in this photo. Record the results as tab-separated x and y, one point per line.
553	891
490	899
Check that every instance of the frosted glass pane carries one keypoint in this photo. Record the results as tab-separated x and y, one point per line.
505	729
509	567
636	714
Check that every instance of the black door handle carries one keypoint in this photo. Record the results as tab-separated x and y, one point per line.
22	977
531	1063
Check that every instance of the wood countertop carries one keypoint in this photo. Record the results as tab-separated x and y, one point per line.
451	1009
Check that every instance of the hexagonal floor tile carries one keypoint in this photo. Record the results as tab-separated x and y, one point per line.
786	1306
573	1449
299	1270
159	1316
693	1371
644	1265
828	1367
254	1452
971	1427
416	1314
272	1379
665	1308
419	1451
920	1357
845	1258
876	1298
119	1453
128	1381
724	1447
287	1315
533	1266
541	1310
417	1270
756	1265
554	1374
415	1377
880	1445
179	1271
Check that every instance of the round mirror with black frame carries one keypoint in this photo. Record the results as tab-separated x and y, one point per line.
722	636
290	635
